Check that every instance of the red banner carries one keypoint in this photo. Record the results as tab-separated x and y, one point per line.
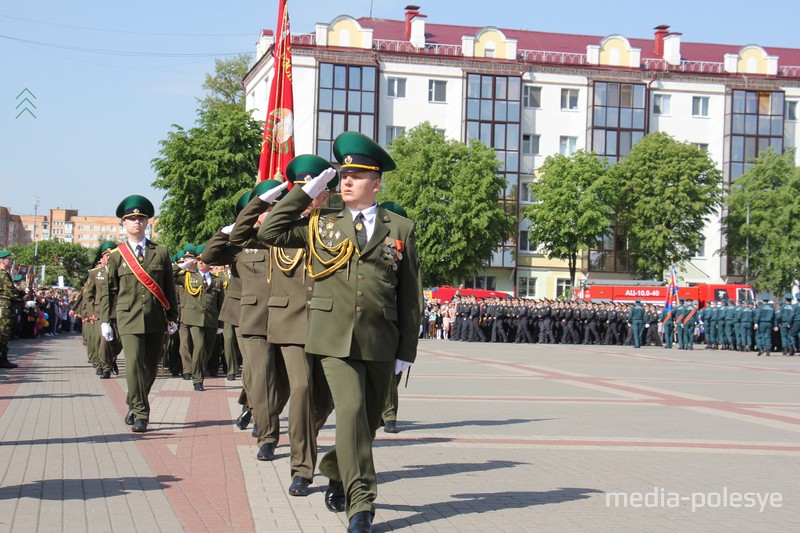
277	145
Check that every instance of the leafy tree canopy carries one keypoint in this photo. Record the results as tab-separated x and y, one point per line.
72	261
769	191
667	190
573	208
450	191
206	168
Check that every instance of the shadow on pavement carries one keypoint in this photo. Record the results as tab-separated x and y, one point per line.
444	469
416	426
85	489
481	503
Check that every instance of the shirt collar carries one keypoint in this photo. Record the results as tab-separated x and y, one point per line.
369	213
134	244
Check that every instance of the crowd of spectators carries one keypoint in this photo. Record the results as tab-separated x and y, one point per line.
46	312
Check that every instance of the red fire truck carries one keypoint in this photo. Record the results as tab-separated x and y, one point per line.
446	293
653	292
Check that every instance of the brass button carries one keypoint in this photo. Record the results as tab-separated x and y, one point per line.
359	293
309	289
360	261
358	309
360	277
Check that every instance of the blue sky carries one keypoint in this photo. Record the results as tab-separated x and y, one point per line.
110	78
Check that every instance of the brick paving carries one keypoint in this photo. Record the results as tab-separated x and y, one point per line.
493	438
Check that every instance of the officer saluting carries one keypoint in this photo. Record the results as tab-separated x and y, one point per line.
142	292
365	309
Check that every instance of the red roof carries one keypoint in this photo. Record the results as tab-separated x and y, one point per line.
394	30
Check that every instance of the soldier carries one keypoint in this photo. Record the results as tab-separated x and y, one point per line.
705	319
689	324
546	324
652	327
748	314
202	301
107	351
636	319
714	324
498	322
365	309
591	334
729	316
786	323
765	322
9	296
737	326
668	323
142	291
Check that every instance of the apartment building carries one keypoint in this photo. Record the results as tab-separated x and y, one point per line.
530	94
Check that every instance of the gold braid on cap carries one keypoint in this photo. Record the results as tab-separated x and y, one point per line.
342	252
188	285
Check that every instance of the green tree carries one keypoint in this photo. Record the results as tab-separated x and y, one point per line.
205	169
72	261
769	191
573	208
450	190
667	190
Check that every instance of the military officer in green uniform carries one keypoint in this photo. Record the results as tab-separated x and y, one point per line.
141	290
765	322
9	296
365	310
90	311
107	351
202	300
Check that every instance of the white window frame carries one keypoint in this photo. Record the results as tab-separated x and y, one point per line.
569	99
530	144
791	110
393	132
701	146
525	195
662	105
700	106
396	87
529	285
563	282
567	145
528	92
434	86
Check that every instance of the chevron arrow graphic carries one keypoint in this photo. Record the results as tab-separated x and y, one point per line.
26	102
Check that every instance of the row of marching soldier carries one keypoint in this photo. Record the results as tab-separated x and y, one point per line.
324	305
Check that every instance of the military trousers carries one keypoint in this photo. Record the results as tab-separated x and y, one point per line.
202	344
637	326
669	332
108	351
142	354
392	402
262	394
310	404
359	389
764	336
231	346
92	335
186	348
787	342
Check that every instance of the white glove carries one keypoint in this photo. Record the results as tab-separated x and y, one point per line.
186	263
106	331
272	194
228	229
647	325
316	185
400	365
172	327
219	331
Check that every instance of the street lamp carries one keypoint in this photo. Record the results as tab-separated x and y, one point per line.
747	249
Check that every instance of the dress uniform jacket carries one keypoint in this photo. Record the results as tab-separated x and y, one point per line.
220	252
252	265
374	298
202	309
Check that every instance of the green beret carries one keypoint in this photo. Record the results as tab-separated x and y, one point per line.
17	278
199	249
104	247
135	205
395	208
4	254
264	186
357	152
303	167
243	199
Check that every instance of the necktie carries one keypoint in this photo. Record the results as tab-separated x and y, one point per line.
139	253
361	231
208	280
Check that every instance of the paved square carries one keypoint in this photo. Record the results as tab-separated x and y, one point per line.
492	438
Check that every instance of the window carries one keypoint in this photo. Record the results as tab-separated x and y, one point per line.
346	103
526	287
531	96
700	106
563	288
618	113
393	132
437	91
700	251
566	145
525	195
661	104
439	131
701	146
530	144
791	110
569	99
396	88
756	124
488	283
610	252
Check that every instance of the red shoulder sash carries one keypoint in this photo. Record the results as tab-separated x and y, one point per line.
149	283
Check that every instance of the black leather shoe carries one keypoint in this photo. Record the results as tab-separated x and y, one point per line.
334	496
267	452
198	387
390	426
5	363
187	377
129	418
299	486
98	371
115	368
254	433
361	522
139	426
231	377
244	419
106	374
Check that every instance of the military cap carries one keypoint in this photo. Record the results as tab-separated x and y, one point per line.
107	246
17	278
395	208
765	297
357	152
638	300
303	167
243	199
788	295
199	249
4	254
264	186
188	250
135	205
681	299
